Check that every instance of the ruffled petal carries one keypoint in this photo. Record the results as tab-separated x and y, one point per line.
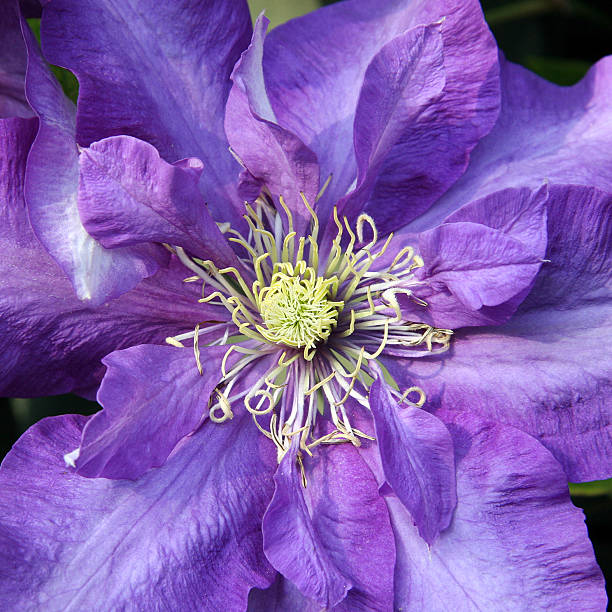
16	137
544	133
416	451
273	155
153	396
13	63
158	72
283	595
391	121
516	541
315	65
336	547
182	536
480	264
50	341
548	370
129	195
51	194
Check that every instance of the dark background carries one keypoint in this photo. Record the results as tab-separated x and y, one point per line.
558	39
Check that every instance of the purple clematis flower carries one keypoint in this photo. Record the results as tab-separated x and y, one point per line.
350	365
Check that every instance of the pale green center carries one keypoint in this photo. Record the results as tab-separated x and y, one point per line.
297	307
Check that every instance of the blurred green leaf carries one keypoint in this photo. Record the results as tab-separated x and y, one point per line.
592	489
27	411
279	11
35	27
560	71
520	10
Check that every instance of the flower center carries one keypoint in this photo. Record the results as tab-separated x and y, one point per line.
296	307
308	328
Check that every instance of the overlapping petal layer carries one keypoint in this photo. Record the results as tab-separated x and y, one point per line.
184	536
516	541
272	154
314	86
159	72
544	133
51	194
393	121
548	370
129	195
481	262
51	342
144	417
335	547
416	452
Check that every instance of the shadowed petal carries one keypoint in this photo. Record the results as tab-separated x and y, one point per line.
51	194
156	71
16	137
544	133
183	534
516	541
50	341
129	195
153	396
330	544
272	154
13	62
416	451
548	370
391	122
315	66
281	596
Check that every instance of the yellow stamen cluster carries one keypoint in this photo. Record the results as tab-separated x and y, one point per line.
296	308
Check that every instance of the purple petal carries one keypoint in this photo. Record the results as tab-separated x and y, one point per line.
283	595
544	133
416	451
158	72
13	62
315	66
516	542
518	212
129	195
186	533
51	194
272	154
479	274
391	121
479	265
548	370
331	545
16	137
153	396
50	341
